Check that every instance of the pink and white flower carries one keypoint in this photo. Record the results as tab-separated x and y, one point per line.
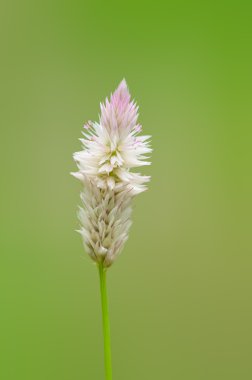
111	149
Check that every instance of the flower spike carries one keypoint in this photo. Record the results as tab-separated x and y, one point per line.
110	150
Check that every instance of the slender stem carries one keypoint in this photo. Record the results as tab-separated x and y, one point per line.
105	321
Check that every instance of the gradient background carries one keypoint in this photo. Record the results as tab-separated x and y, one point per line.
180	294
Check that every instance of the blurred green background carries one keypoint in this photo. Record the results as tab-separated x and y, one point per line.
180	293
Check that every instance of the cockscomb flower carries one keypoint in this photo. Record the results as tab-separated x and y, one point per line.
111	149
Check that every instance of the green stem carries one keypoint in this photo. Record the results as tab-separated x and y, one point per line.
105	321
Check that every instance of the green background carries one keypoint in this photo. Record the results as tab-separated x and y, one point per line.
180	293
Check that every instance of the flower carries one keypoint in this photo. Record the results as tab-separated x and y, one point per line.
111	149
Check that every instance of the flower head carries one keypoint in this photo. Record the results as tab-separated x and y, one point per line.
111	149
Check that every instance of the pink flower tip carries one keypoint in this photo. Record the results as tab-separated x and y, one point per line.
121	96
